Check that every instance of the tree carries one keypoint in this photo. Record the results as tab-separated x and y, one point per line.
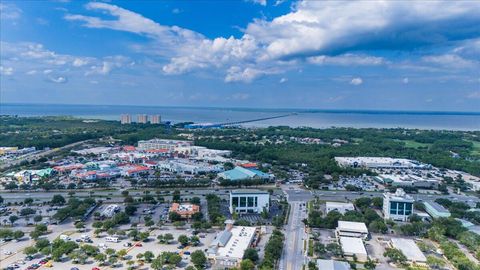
370	265
251	254
30	251
28	201
198	259
130	210
1	200
112	260
80	225
378	226
124	193
176	196
435	262
195	200
148	255
335	249
121	253
183	239
157	264
18	234
58	199
395	255
42	243
377	202
37	218
174	216
247	265
12	219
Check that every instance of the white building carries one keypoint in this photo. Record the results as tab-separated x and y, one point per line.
380	163
110	210
142	118
187	166
397	206
332	265
351	229
410	250
155	119
407	180
340	207
125	119
169	145
227	250
249	201
352	246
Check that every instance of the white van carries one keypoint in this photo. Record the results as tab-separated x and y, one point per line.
65	237
111	239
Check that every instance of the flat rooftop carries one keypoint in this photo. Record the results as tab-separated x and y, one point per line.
352	245
352	226
249	191
338	204
437	207
409	249
239	241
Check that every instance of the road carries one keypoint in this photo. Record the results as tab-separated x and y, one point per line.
293	252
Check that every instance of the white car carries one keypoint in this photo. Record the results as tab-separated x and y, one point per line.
7	252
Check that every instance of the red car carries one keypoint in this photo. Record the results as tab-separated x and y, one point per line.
138	245
95	268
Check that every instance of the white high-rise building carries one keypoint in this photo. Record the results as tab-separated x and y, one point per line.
155	119
125	119
397	206
142	118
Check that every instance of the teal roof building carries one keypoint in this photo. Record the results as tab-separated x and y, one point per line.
240	173
435	210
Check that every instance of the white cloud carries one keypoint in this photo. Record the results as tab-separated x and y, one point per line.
474	95
58	79
31	72
240	96
47	71
283	80
9	12
347	60
78	62
405	80
356	81
258	2
450	61
313	30
7	71
176	11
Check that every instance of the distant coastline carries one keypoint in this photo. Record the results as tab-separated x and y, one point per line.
316	118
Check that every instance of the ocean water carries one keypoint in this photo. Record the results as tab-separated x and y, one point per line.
303	117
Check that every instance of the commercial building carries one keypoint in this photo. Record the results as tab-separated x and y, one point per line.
410	250
397	206
340	207
185	210
332	265
240	173
406	180
227	250
155	119
435	210
380	163
142	118
187	166
169	145
125	119
353	247
110	211
351	229
249	201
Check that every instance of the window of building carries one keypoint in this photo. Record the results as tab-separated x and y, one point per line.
235	201
250	201
243	201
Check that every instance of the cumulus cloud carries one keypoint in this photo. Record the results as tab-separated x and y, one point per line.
322	32
405	80
283	80
7	71
78	62
57	79
356	81
9	12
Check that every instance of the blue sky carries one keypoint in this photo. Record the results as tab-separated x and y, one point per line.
389	55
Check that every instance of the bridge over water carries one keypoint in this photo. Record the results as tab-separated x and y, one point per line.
219	125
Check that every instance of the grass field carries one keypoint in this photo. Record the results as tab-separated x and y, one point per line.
476	148
413	144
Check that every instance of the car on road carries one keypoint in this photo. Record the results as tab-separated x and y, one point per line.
186	253
95	268
138	245
127	244
7	252
74	268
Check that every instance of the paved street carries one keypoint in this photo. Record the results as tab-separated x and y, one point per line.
293	251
